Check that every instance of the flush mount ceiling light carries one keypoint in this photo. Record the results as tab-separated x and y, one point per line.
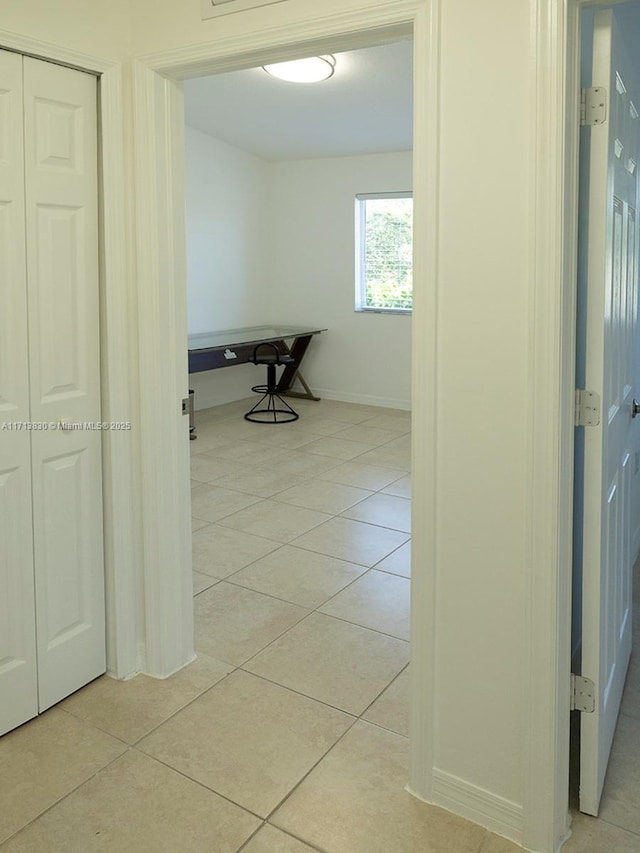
310	70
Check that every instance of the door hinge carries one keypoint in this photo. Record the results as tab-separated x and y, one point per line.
583	694
593	106
587	408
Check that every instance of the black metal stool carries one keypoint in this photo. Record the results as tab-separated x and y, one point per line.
270	414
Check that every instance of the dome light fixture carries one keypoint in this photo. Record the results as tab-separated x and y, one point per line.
310	70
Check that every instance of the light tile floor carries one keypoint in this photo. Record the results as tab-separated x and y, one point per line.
288	734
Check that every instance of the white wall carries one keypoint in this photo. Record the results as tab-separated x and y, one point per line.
227	237
363	357
87	26
484	239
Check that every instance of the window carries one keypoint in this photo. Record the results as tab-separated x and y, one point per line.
384	252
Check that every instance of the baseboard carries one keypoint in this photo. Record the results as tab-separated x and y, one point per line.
111	674
209	394
362	399
478	805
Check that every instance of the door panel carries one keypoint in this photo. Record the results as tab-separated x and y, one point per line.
18	679
69	589
62	265
611	303
61	373
17	614
62	242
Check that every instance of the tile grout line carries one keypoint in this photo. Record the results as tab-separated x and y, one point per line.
618	826
198	783
300	693
316	609
73	790
306	616
134	744
291	544
284	832
300	547
321	759
338	459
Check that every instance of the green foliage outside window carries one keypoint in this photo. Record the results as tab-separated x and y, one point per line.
388	254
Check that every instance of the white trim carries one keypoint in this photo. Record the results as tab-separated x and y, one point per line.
119	400
547	615
496	813
424	390
118	377
337	31
398	194
55	53
162	335
362	399
213	8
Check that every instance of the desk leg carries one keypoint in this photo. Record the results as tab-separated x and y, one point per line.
292	371
309	395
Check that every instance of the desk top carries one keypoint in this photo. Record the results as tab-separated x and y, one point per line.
251	335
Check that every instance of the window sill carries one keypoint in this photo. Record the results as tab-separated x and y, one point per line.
393	311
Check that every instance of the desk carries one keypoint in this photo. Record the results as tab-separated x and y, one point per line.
213	350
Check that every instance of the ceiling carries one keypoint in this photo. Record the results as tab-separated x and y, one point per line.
365	108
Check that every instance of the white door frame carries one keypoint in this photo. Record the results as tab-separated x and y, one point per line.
118	381
160	279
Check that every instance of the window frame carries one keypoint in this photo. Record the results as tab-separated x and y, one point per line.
360	264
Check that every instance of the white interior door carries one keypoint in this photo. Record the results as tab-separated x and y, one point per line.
61	186
18	684
610	334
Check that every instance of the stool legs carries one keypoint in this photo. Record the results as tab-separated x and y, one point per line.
271	414
277	410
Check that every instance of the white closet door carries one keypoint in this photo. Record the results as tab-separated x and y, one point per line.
18	684
61	184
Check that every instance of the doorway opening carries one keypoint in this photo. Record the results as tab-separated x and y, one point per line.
301	541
